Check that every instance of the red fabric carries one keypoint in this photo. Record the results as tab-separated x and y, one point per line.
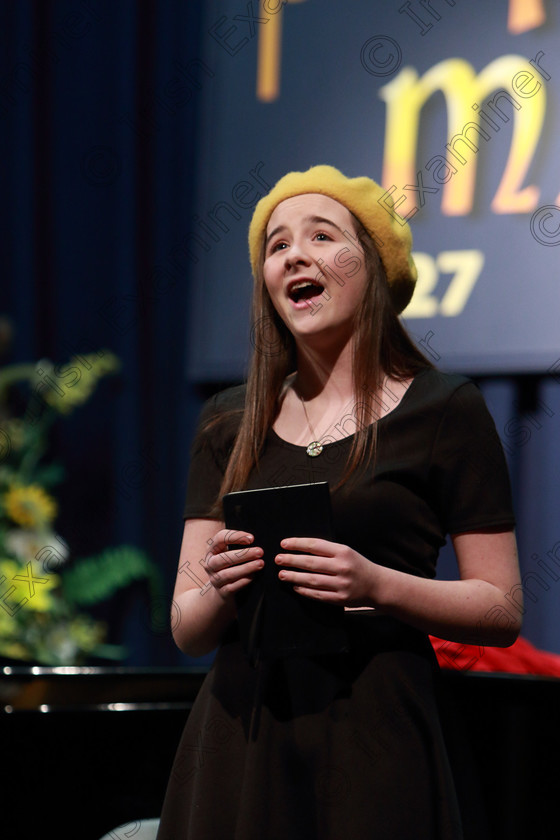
521	658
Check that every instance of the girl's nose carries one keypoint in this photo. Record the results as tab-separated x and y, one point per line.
295	255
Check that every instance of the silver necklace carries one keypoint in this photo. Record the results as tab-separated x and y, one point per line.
315	447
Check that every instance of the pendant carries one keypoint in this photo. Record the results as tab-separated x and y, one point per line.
314	449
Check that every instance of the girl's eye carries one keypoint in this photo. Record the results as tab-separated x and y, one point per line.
278	246
323	237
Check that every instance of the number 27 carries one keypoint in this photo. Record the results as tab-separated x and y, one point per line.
465	266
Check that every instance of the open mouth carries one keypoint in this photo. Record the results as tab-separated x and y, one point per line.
303	290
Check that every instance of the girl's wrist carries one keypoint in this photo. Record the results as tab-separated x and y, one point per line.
382	583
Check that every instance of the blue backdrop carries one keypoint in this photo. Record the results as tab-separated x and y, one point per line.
453	106
136	138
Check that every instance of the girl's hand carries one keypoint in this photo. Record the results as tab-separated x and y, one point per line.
229	571
328	571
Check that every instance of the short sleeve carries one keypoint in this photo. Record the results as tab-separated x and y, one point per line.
210	451
469	474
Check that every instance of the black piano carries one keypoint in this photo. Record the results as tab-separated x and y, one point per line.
86	750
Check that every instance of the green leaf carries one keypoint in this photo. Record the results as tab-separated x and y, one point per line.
49	475
94	579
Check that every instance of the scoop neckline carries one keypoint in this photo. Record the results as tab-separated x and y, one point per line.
350	437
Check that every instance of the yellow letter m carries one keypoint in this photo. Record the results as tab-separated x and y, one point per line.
470	124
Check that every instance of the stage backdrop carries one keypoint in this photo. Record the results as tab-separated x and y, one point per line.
108	239
453	106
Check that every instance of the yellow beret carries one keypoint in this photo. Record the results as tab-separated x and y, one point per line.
362	196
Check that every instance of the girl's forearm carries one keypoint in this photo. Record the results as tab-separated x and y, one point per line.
468	611
200	617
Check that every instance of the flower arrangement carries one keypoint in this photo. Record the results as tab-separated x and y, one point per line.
44	593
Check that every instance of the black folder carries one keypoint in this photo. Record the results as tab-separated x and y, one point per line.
275	621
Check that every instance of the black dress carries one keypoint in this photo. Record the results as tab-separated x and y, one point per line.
324	748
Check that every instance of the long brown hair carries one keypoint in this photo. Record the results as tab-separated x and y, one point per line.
382	347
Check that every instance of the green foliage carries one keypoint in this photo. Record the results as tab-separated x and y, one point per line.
94	579
44	592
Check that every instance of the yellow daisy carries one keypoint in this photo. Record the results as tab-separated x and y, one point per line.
29	505
29	586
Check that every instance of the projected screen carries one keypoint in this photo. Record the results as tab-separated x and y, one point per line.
452	107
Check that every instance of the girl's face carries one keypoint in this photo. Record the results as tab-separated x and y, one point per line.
314	268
